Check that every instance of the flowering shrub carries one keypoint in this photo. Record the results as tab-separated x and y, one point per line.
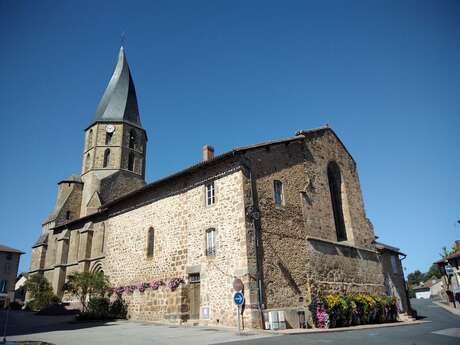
130	288
155	284
174	283
119	290
335	310
142	286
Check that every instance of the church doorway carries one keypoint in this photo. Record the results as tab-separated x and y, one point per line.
194	296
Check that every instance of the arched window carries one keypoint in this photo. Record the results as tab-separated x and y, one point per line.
67	215
106	162
90	138
108	138
87	162
132	139
131	161
278	193
211	242
335	187
150	242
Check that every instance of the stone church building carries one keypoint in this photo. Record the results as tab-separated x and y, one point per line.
285	216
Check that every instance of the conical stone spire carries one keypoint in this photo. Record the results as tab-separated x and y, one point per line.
119	102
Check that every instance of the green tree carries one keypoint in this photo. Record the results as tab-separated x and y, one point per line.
85	285
433	272
446	252
415	278
40	291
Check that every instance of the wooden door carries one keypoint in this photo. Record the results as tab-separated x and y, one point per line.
194	296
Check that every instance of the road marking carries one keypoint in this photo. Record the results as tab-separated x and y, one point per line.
450	332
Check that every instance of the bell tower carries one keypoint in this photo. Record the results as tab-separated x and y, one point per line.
115	143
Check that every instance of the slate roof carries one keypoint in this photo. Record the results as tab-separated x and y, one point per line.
7	249
119	101
382	246
300	135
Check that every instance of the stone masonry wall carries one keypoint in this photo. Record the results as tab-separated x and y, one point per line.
394	279
300	253
180	222
348	266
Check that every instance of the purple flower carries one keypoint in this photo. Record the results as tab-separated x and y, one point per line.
155	284
174	283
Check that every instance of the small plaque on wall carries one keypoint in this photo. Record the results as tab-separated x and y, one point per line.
205	313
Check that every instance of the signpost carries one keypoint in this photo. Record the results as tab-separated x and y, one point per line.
238	299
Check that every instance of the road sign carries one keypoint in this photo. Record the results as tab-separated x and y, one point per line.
238	298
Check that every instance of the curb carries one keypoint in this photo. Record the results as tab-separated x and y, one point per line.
347	329
455	311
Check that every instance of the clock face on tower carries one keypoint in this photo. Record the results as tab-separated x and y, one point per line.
110	128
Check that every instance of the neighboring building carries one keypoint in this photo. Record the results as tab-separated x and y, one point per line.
285	216
450	267
395	284
19	288
432	288
9	263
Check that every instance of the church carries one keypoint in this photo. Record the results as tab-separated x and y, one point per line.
286	217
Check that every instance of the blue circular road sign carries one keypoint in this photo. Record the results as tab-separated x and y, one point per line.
238	298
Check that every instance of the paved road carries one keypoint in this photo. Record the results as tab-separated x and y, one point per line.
433	333
61	330
58	330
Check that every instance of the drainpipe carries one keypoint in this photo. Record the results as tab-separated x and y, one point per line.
255	217
410	311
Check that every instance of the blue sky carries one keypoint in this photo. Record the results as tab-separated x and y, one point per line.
384	74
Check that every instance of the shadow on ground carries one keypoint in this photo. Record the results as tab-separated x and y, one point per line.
24	322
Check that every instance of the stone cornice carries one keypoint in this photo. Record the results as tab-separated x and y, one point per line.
341	244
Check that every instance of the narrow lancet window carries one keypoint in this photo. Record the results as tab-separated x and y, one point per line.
87	162
108	138
335	187
106	158
132	139
131	161
150	242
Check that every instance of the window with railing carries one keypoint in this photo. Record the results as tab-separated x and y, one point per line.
211	242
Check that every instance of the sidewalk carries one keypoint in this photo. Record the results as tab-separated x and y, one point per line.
346	329
453	310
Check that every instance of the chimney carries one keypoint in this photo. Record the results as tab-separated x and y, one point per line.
208	153
457	246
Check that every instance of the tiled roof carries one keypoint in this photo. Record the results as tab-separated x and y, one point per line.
455	255
7	249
